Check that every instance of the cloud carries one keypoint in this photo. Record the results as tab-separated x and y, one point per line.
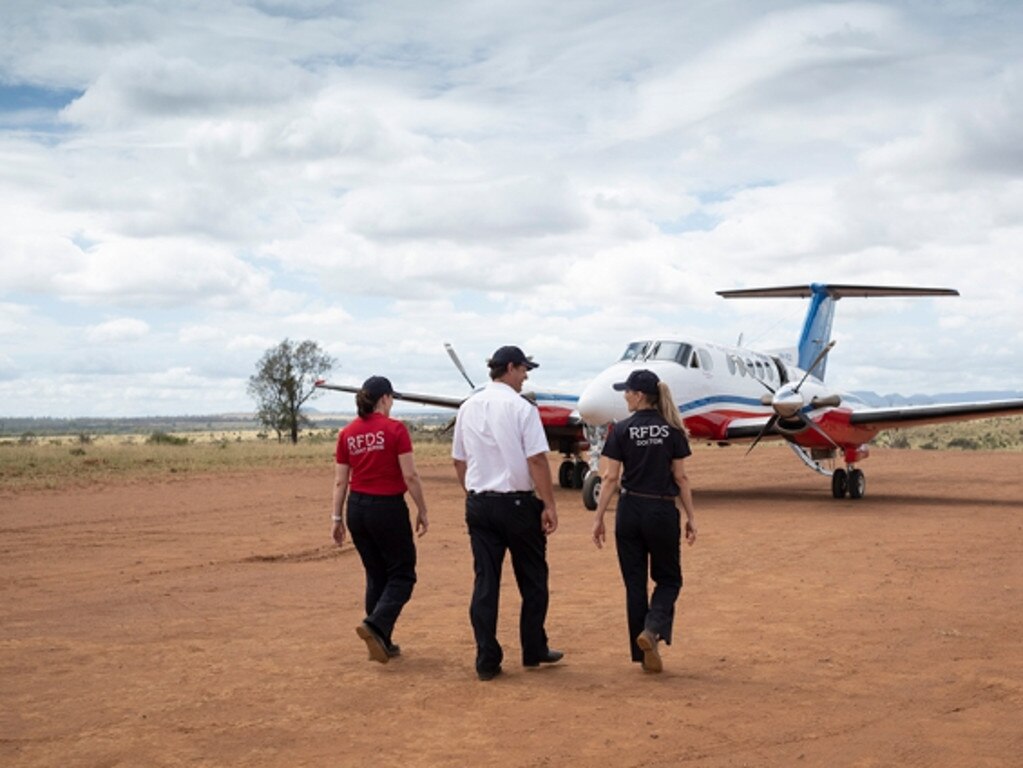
122	329
382	179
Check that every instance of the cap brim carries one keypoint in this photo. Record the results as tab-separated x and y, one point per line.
620	386
530	365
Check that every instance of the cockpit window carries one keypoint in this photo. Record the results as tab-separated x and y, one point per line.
636	351
672	350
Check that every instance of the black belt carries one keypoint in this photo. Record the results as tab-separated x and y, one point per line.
503	494
372	498
627	492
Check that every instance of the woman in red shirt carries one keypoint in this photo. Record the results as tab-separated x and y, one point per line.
374	469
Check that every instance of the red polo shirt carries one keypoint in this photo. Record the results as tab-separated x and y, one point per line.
371	447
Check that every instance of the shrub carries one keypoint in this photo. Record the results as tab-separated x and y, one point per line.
162	438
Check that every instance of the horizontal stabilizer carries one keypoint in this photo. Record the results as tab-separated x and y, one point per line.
816	332
835	291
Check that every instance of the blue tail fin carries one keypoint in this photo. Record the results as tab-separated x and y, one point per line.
816	332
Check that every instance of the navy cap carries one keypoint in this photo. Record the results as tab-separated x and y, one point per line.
377	386
513	355
640	380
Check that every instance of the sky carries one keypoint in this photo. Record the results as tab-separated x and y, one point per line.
185	184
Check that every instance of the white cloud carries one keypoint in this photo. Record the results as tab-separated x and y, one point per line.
382	179
120	330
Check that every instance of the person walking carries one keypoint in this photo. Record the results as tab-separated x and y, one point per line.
650	445
374	468
500	456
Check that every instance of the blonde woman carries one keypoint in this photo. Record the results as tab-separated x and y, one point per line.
644	456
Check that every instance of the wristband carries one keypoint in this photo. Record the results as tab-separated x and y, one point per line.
336	518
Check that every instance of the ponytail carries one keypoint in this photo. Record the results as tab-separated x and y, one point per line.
365	404
666	406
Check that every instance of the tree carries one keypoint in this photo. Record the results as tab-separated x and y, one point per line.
283	381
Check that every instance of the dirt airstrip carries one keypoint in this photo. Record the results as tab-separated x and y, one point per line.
207	620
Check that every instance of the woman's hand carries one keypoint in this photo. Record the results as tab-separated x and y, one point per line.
337	532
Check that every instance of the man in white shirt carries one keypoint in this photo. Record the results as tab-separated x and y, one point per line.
500	456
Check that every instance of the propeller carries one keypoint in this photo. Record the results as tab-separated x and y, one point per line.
458	363
461	369
788	403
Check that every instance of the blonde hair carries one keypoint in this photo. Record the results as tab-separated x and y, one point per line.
666	406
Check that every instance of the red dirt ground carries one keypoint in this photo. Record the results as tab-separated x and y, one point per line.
208	621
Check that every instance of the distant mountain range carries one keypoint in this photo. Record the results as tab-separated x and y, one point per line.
880	401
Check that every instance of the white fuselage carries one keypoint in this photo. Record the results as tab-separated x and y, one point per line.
712	385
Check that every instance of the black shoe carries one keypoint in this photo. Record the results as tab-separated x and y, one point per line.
647	642
488	674
551	657
393	650
374	643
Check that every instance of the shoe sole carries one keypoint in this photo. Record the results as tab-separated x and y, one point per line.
375	646
651	657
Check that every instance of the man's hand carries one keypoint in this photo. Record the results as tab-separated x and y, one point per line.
337	532
549	519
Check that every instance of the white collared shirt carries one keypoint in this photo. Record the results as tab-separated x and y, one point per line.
495	432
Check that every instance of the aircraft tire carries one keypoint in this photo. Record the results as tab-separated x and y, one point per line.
857	484
565	473
839	483
591	490
579	472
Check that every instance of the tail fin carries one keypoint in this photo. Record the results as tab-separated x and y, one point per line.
816	332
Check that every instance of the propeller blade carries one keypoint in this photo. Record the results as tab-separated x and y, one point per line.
816	362
458	363
767	427
831	401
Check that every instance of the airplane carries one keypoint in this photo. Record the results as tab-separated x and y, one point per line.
731	395
558	415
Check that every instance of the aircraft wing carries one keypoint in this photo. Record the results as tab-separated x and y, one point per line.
441	401
915	415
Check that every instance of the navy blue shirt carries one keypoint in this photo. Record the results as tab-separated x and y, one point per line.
646	445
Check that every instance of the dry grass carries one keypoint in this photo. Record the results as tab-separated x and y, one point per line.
73	461
57	463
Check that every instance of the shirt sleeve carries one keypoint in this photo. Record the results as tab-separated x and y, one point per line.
680	445
612	448
457	443
341	453
534	439
403	441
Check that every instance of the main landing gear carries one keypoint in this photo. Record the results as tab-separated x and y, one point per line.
572	473
853	483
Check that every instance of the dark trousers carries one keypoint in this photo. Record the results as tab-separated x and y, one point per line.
382	534
648	536
496	524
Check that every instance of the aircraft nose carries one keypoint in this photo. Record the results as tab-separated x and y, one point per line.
599	403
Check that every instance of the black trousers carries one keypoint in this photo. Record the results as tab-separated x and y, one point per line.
382	534
497	524
648	536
